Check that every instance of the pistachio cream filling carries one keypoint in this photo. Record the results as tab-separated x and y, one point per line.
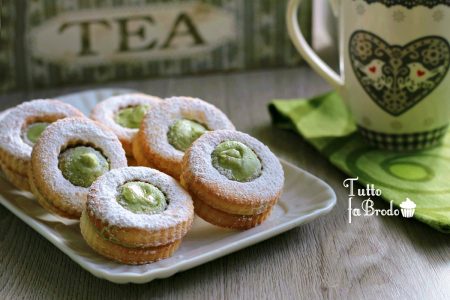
131	117
236	161
82	165
34	131
141	198
184	132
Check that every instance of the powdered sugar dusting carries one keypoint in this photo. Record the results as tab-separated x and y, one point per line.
13	122
266	186
157	121
105	111
71	132
102	200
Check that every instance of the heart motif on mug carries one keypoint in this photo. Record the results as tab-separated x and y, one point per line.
398	77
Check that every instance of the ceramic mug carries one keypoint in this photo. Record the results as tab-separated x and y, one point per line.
394	61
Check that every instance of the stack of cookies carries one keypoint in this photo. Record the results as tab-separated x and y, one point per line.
135	172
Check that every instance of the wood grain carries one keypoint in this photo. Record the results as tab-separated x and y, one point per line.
376	257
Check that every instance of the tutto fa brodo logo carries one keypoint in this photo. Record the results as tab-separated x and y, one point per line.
407	207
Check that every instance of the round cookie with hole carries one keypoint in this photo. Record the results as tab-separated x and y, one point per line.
69	156
170	128
20	128
123	115
136	215
233	178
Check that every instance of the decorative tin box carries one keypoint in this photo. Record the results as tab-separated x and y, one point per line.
59	42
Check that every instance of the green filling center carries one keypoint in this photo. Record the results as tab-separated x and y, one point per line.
142	198
236	161
131	117
183	133
82	165
35	130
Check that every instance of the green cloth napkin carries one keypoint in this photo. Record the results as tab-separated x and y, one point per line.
423	177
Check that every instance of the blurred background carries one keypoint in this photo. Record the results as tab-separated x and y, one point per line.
47	44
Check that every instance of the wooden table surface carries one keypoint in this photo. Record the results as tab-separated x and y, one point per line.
374	257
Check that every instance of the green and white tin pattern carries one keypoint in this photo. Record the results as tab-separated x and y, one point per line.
7	46
85	41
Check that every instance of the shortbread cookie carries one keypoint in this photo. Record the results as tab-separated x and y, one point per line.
67	159
233	178
132	162
169	128
123	115
136	215
20	127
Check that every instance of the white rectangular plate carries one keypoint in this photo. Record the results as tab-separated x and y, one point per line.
305	198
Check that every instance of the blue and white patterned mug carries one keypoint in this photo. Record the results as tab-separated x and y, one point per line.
394	62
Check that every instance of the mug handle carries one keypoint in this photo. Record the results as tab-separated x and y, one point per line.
306	51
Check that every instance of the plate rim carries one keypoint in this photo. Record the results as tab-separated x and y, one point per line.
183	265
